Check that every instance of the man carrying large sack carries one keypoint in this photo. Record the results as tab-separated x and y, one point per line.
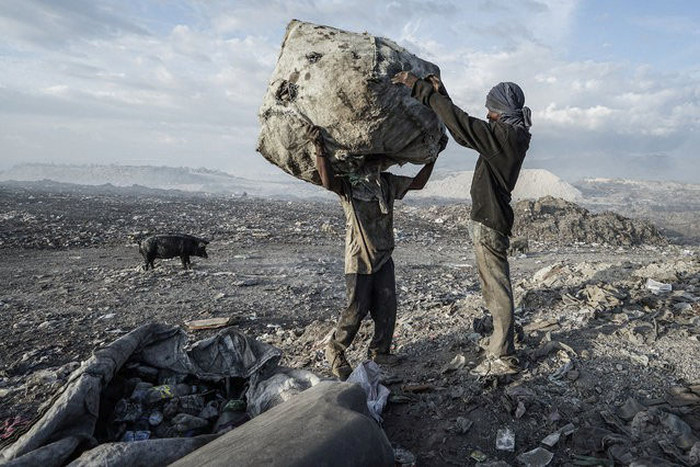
367	198
502	143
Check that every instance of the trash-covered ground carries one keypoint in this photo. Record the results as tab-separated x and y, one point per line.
608	329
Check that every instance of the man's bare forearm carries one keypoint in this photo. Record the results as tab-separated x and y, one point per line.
422	177
325	171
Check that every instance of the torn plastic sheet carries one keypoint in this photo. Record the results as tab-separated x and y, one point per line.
367	375
68	424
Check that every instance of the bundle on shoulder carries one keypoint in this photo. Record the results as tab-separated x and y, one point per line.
341	81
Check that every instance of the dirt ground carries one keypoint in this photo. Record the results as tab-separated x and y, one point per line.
593	335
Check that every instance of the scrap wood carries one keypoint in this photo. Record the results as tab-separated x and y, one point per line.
209	323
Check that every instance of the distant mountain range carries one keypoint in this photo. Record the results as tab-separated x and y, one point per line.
164	178
532	184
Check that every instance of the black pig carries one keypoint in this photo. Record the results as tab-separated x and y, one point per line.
171	245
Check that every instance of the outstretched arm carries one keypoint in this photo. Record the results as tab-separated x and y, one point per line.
466	130
323	165
422	177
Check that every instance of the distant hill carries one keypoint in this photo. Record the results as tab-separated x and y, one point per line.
532	184
166	178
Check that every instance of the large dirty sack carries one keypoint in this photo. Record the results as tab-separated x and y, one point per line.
68	425
327	425
341	81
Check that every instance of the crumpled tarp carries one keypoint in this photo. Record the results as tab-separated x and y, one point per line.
68	425
341	81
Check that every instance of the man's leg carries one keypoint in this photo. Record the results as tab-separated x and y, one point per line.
490	247
359	287
383	309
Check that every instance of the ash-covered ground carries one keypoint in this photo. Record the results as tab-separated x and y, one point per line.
611	368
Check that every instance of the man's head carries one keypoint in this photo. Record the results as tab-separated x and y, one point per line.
505	102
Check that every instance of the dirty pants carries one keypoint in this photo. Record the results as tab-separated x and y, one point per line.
491	250
374	293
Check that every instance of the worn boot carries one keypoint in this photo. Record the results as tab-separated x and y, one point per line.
339	364
386	359
496	366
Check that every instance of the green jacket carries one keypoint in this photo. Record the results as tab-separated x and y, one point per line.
501	148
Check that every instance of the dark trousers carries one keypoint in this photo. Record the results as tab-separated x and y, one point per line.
491	250
374	293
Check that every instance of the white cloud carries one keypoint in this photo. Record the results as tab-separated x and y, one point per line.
87	80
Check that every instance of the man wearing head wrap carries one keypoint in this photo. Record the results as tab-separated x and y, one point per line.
367	197
501	141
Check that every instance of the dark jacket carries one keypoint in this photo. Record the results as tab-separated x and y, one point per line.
501	148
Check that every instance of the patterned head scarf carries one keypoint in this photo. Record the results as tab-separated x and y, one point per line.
507	99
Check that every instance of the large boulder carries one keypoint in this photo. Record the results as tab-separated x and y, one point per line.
341	81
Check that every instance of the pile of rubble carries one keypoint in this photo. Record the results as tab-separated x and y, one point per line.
608	335
556	221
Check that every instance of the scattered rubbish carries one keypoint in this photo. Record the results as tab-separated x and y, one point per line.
457	363
650	336
593	461
561	372
209	323
554	345
551	439
478	455
140	435
462	425
367	374
694	454
404	457
538	457
417	388
156	418
235	405
505	439
185	422
399	398
658	287
149	387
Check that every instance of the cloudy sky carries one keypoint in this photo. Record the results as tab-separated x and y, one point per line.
614	86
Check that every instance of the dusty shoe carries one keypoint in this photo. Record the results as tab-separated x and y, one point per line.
386	359
339	364
495	366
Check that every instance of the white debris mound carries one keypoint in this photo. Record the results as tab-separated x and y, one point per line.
341	81
532	184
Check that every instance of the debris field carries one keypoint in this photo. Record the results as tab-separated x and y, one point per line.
608	317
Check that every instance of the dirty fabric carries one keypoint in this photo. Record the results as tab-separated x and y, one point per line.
490	248
73	416
501	149
374	294
341	81
369	237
